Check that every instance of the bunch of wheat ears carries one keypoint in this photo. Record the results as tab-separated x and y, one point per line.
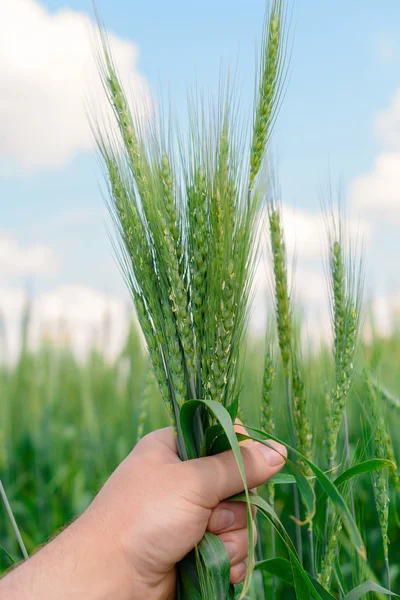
187	210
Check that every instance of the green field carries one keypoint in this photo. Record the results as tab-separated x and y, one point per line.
67	423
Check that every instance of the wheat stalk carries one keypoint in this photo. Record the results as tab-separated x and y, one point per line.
382	448
269	87
187	233
285	330
346	282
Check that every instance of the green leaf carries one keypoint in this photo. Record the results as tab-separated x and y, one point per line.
306	489
330	489
188	425
221	414
321	590
233	408
277	567
10	558
281	567
187	579
213	567
367	466
215	441
286	479
270	514
366	587
300	585
339	576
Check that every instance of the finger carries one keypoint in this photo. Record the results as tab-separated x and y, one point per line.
239	427
158	442
215	478
237	544
228	516
238	572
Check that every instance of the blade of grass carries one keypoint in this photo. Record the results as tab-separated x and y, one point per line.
13	522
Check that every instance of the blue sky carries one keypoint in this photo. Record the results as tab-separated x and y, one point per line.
344	73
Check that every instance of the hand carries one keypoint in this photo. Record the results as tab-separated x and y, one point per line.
159	508
152	511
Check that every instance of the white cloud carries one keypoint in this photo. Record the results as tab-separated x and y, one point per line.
12	301
377	193
305	236
77	304
83	316
75	315
306	233
306	243
387	124
309	295
386	311
30	260
47	71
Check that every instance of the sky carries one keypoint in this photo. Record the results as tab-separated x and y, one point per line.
339	125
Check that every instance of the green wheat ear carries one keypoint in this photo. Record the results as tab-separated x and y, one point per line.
300	414
346	290
269	86
383	448
330	555
266	409
282	296
144	402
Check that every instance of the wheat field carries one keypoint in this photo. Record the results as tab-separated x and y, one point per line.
68	422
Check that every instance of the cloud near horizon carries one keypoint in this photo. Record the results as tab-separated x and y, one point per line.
376	194
73	315
17	260
47	73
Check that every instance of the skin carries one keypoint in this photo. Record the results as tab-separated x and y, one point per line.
152	511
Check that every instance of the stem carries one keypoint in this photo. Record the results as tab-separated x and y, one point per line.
259	555
331	465
271	501
351	493
388	584
312	553
299	543
13	522
273	551
348	460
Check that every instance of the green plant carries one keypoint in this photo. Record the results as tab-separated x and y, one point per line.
187	235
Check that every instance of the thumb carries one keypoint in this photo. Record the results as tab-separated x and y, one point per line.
216	478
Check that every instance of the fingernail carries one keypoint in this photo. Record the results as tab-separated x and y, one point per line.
225	518
274	459
230	548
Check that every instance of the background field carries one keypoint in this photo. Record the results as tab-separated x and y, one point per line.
66	423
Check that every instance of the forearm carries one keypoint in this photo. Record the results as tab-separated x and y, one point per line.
82	562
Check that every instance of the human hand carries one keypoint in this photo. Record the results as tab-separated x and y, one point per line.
152	511
158	508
